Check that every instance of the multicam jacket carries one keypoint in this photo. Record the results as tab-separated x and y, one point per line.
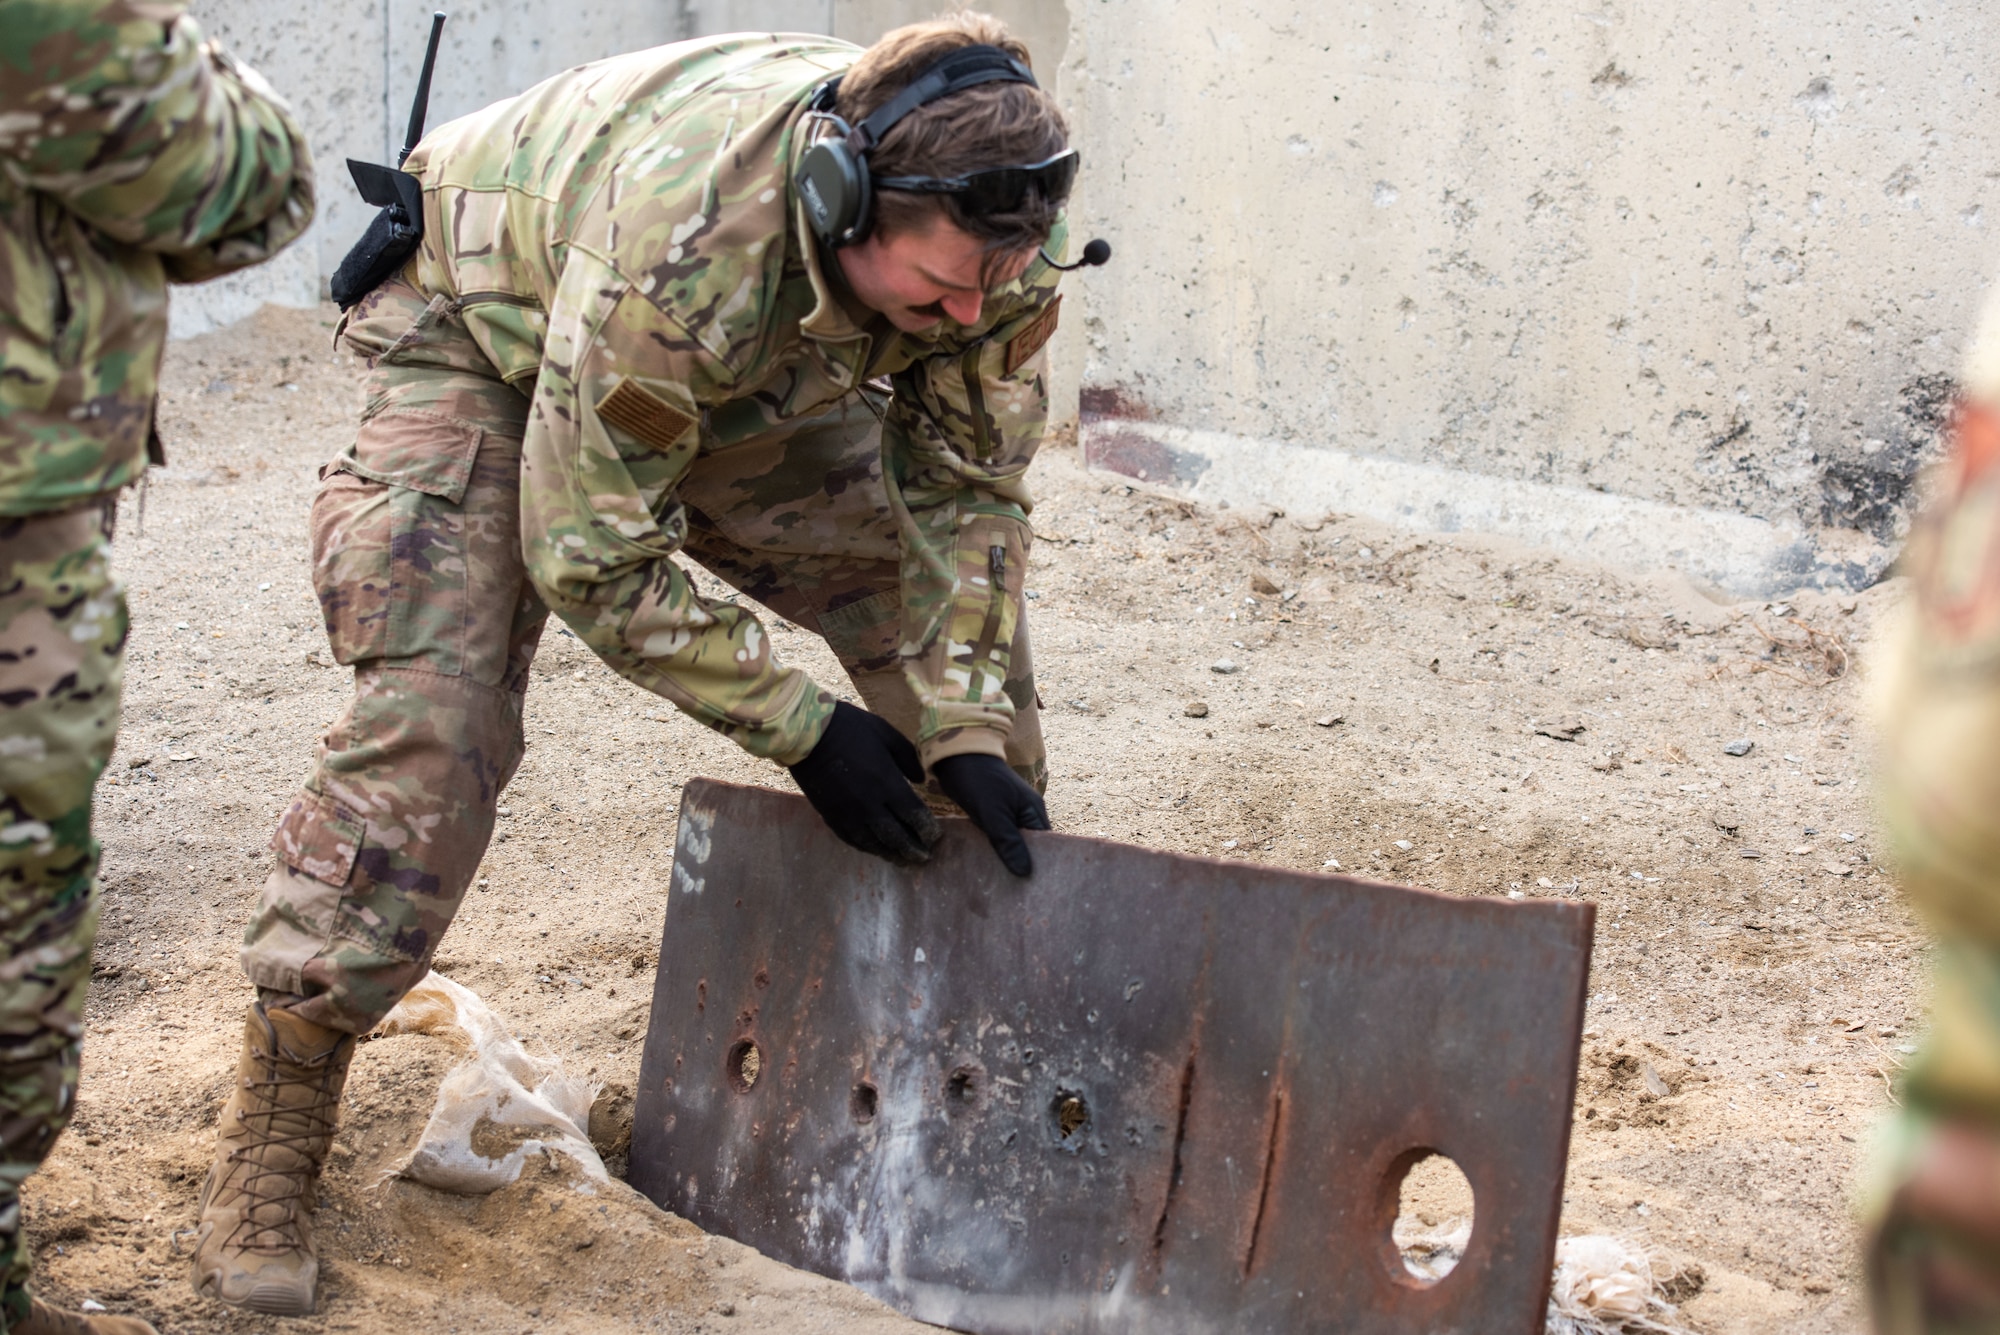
623	243
132	153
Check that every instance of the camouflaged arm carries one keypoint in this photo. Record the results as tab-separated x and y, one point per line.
155	137
604	450
960	434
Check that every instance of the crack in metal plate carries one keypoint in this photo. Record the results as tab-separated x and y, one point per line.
1139	1092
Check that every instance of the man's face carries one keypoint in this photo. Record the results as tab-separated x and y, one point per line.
918	278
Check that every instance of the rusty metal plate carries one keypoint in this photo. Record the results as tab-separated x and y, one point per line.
1137	1093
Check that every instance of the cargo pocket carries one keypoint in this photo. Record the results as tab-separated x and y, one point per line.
389	545
864	634
320	838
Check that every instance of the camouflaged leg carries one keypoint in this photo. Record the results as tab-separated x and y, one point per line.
62	644
798	520
417	563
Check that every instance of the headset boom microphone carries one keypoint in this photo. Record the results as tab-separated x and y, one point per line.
1097	252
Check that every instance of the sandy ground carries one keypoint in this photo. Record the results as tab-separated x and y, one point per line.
1450	712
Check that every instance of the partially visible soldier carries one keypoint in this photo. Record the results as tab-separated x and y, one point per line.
1934	1204
646	323
132	154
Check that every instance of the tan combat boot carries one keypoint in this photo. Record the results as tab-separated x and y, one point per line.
46	1320
254	1247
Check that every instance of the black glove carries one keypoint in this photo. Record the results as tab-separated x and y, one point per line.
858	778
999	801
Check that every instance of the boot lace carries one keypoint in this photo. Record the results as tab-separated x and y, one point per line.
260	1183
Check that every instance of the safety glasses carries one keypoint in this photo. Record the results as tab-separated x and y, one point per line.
997	189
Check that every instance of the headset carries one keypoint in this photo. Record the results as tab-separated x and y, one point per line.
838	189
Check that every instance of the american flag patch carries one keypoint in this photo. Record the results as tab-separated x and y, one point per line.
636	409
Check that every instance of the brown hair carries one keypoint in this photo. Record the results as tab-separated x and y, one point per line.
989	125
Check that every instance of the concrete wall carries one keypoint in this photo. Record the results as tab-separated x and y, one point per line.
1673	284
1669	285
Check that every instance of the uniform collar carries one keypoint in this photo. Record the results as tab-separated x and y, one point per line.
836	316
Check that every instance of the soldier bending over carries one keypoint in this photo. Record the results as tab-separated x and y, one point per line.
634	329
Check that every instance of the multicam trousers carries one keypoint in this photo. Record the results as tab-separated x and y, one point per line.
62	647
417	561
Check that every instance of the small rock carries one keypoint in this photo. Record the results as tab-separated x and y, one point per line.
1654	1085
1405	845
139	762
1328	720
1198	709
1563	729
1727	821
1260	584
1742	746
1801	850
1263	723
1225	666
725	1309
1836	869
1080	706
91	1305
1748	853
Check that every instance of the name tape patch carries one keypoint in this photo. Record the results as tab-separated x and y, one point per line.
632	407
1029	341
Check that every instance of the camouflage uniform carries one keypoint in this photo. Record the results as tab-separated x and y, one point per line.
132	153
619	344
1934	1204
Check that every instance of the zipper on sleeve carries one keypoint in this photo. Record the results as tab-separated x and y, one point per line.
996	604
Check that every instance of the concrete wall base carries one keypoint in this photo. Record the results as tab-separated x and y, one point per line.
1731	554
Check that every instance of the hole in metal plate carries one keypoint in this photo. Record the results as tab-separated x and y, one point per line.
744	1064
1430	1202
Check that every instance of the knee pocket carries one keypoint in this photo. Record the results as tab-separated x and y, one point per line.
318	837
865	633
325	902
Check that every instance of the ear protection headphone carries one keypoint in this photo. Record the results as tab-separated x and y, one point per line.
833	178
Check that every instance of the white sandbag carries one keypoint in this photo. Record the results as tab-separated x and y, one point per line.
1609	1286
1602	1285
495	1109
